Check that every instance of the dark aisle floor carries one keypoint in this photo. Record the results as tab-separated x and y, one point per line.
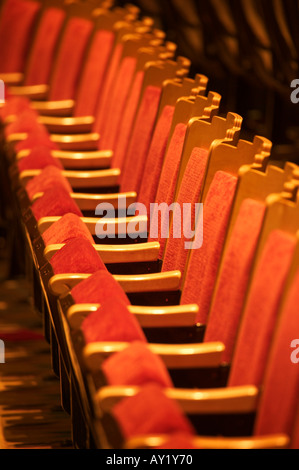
30	411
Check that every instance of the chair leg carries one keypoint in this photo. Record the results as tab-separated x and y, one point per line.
65	388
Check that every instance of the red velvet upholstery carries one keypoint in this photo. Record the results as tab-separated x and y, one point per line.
93	76
175	256
140	140
279	400
112	322
66	228
42	54
168	178
97	288
150	412
141	367
77	256
39	157
55	202
27	121
155	158
104	99
178	441
17	23
233	278
260	315
47	179
126	124
203	263
38	138
68	64
123	82
14	105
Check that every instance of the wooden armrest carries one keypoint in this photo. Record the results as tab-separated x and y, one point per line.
148	317
81	179
90	159
54	108
276	441
95	225
68	125
77	160
36	92
60	284
78	142
111	254
175	356
230	400
12	78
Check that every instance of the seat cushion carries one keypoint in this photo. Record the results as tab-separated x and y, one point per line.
47	179
97	288
142	367
38	138
55	202
150	412
39	157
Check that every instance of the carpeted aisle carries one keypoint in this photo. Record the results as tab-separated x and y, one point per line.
30	411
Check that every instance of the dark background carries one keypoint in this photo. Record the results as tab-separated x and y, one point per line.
249	49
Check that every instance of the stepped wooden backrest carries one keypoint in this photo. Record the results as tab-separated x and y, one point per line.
244	231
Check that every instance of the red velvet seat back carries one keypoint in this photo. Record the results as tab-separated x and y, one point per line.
118	99
260	314
17	23
167	182
233	278
94	72
68	64
140	140
176	253
155	158
204	262
126	124
279	400
42	54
